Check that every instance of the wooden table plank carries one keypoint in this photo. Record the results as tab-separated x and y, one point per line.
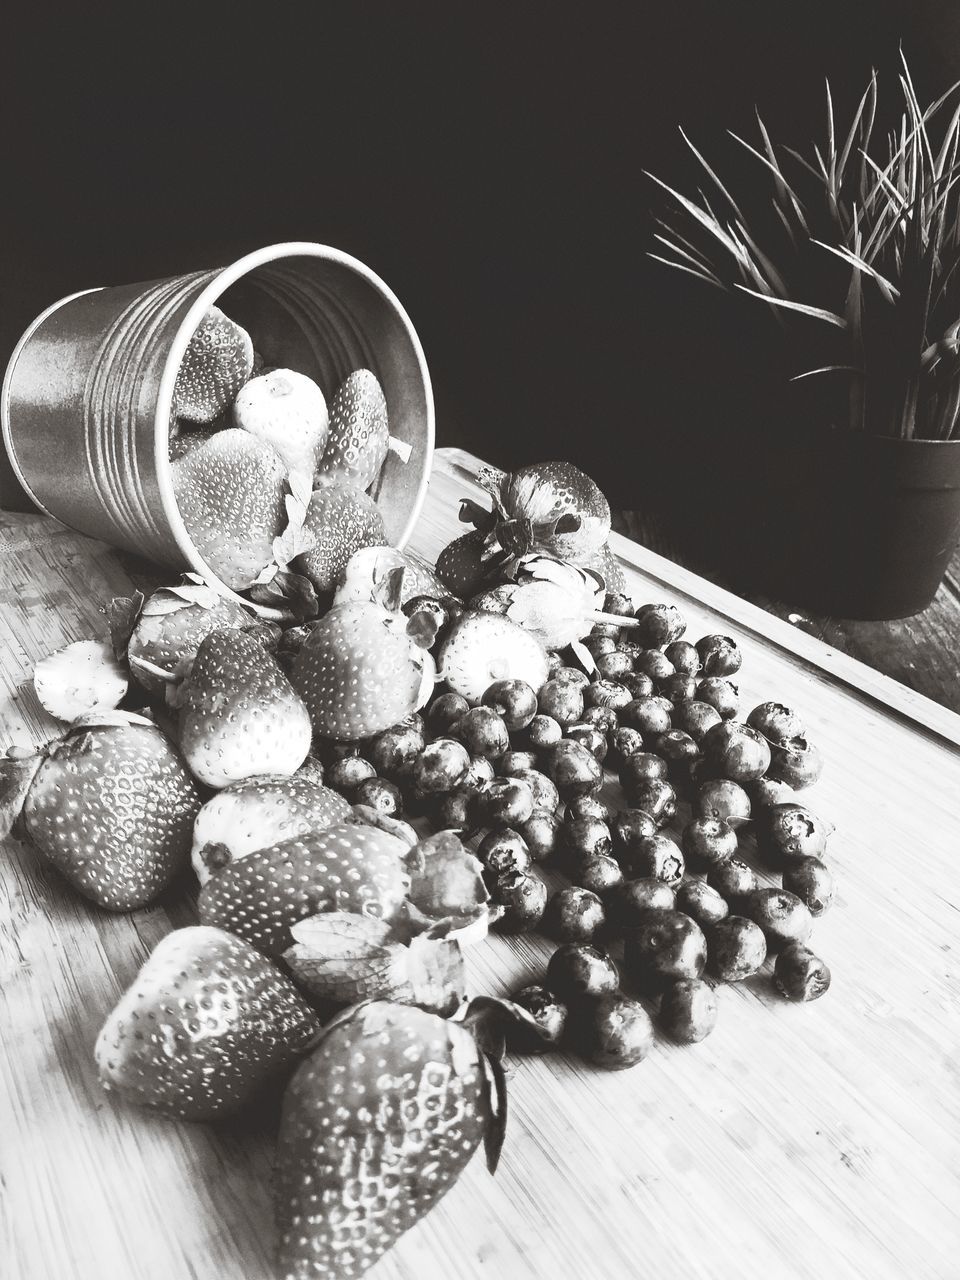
794	1142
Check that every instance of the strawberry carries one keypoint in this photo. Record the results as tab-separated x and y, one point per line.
359	436
182	441
288	411
215	365
377	1124
460	565
359	672
239	714
206	1022
112	807
258	812
230	491
348	866
607	565
483	647
550	507
166	629
342	519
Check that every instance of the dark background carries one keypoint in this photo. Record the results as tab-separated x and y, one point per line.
485	159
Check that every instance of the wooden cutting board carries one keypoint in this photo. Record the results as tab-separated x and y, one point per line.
796	1141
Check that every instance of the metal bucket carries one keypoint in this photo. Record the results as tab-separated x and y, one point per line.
87	396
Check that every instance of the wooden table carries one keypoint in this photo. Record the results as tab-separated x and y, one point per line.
796	1141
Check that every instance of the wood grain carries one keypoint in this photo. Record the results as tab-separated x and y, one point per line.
797	1141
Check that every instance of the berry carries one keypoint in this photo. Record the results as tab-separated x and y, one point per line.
651	714
664	946
736	751
627	904
542	833
598	873
440	766
684	656
444	711
736	948
786	832
483	732
574	915
732	878
724	800
574	770
720	694
206	1022
341	519
653	796
709	841
614	1031
696	718
483	647
505	802
217	362
381	795
660	624
524	899
586	838
780	914
656	856
504	851
549	1013
287	411
231	493
606	693
811	881
702	903
346	774
719	655
800	975
589	736
543	732
514	700
577	970
777	723
562	701
797	762
359	436
688	1010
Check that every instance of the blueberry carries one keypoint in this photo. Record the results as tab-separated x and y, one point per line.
736	751
797	762
513	762
664	946
548	1012
598	874
562	701
380	795
736	948
614	665
811	881
776	722
541	832
628	828
444	711
656	797
628	903
505	802
719	655
800	975
696	717
656	856
701	902
604	718
723	799
514	700
607	693
709	841
544	792
543	732
441	766
591	737
678	688
613	1031
577	969
396	748
719	693
573	914
684	657
504	850
659	625
585	838
574	770
346	774
688	1010
622	743
732	878
483	732
524	899
651	714
780	914
642	766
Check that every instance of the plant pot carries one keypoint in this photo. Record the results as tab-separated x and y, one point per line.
87	396
852	524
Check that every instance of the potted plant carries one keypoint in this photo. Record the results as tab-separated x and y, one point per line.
854	251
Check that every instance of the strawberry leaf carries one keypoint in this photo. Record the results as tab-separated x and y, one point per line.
123	614
301	488
472	513
83	676
496	1129
16	776
288	590
422	628
388	591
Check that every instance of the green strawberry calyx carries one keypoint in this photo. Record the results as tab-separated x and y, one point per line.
277	585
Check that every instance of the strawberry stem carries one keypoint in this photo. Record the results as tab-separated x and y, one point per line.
152	669
617	619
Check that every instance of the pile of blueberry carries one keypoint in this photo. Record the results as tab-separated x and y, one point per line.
667	918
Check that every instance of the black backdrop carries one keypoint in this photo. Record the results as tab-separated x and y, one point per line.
486	159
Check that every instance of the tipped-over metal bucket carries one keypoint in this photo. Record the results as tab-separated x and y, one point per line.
88	392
